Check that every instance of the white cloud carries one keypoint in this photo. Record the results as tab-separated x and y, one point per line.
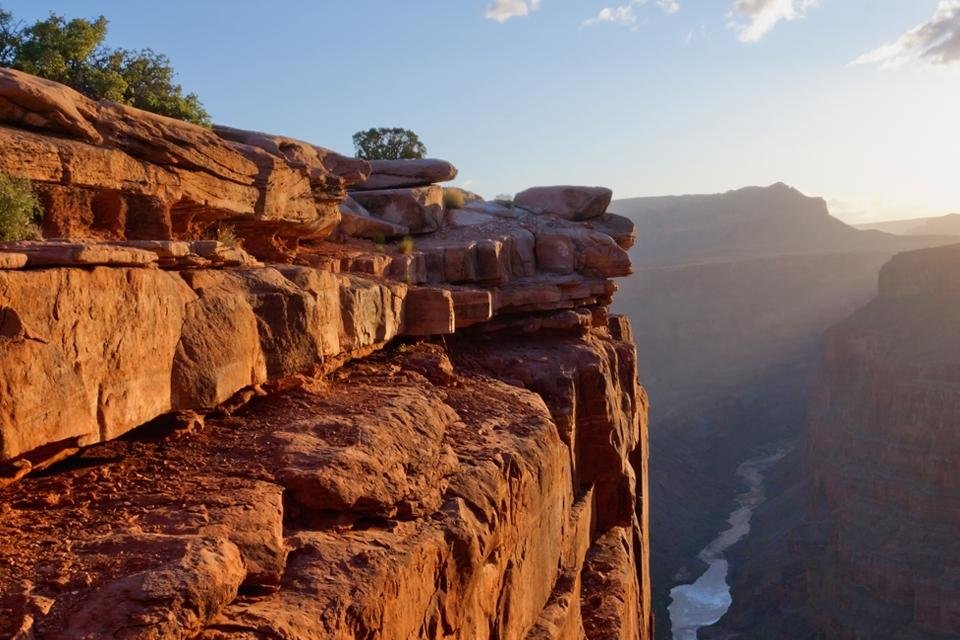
934	42
670	6
753	19
503	10
626	14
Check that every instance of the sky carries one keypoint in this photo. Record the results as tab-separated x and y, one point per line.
857	101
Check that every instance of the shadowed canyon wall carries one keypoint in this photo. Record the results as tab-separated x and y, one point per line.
875	552
730	298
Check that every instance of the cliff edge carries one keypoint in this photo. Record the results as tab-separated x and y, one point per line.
374	416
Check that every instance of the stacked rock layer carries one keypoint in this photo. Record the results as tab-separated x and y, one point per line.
378	417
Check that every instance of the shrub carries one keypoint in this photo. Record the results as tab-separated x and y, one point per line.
19	210
406	245
72	52
388	144
453	199
504	199
227	236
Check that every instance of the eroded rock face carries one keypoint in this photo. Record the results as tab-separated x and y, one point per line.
106	170
419	209
440	436
470	521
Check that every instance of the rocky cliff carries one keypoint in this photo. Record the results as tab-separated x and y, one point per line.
377	418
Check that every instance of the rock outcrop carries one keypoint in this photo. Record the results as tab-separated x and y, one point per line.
393	174
109	171
572	203
335	430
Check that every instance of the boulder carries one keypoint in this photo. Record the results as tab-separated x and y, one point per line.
317	160
620	228
355	221
571	203
420	209
392	174
93	353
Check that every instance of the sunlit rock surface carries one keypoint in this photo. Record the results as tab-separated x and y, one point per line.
237	405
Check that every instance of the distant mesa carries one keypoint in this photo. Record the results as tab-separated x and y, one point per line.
745	223
948	225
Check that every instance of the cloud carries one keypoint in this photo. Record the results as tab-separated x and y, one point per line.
670	6
695	33
626	14
935	42
753	19
503	10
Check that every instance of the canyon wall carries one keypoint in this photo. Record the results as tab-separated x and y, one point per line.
861	543
730	298
375	416
882	457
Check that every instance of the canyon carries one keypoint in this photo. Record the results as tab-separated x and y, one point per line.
372	415
870	521
730	299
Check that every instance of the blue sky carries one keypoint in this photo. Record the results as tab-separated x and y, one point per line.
661	97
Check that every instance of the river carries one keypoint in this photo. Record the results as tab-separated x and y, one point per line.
705	601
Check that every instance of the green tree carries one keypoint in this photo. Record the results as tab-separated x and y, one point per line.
73	53
19	209
388	144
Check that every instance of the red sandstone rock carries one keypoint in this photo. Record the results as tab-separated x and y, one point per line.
395	174
12	260
113	171
424	497
62	254
420	209
479	519
429	312
572	203
357	222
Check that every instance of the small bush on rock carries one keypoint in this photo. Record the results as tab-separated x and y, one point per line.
228	237
453	199
406	245
19	210
504	199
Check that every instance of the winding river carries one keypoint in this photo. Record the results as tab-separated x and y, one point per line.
704	602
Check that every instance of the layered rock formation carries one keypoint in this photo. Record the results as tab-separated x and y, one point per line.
200	440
